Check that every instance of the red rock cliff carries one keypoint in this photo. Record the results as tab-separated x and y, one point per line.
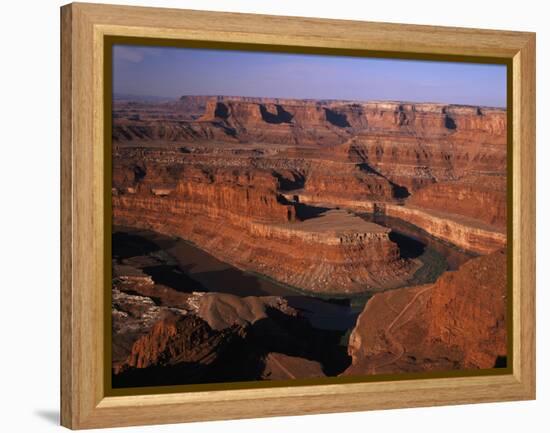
459	322
238	215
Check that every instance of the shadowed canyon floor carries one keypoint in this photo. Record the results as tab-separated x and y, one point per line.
254	237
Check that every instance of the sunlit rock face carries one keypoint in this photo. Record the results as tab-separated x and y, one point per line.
459	322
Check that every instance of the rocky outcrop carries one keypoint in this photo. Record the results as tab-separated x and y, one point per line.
217	337
459	322
185	339
223	310
132	317
180	349
143	328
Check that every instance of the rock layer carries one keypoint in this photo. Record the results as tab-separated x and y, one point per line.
482	198
238	215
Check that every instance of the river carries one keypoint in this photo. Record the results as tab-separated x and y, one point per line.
189	268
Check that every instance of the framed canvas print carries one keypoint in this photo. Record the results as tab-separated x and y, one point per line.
271	216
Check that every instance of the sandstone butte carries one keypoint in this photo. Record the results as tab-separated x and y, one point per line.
273	186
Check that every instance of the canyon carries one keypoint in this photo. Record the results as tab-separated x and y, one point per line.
313	221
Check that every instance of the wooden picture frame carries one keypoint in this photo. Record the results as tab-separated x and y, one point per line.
84	401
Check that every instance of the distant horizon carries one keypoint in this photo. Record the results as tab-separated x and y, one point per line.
152	98
167	73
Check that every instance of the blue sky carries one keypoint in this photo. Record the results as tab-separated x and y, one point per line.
173	72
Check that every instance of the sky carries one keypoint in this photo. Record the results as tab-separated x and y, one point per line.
170	72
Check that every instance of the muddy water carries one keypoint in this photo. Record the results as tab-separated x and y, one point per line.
187	268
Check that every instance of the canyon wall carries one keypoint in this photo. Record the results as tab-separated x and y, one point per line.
482	198
403	147
307	122
459	322
240	218
230	173
468	234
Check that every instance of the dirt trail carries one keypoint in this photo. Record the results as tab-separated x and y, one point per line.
387	331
